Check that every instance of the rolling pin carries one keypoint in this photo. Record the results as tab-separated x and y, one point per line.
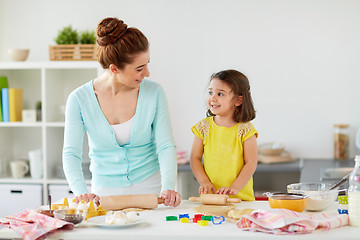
214	199
118	202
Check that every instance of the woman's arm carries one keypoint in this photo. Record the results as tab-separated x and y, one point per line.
165	147
73	145
250	164
197	167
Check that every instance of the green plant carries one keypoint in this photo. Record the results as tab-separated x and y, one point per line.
67	35
87	37
38	105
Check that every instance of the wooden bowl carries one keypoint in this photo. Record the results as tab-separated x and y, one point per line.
271	149
17	54
49	213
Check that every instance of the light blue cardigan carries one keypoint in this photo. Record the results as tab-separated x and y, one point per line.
151	144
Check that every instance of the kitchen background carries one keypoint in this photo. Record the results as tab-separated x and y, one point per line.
302	57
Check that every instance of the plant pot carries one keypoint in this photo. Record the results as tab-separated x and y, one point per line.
73	52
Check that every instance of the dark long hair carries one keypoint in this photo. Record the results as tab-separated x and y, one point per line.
240	86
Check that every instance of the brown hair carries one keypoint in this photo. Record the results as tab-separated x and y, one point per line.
240	86
117	43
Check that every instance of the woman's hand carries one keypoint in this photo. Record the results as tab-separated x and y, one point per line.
87	197
171	198
227	191
206	188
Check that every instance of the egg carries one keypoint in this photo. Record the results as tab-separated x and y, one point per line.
82	206
120	221
73	204
120	214
132	216
109	219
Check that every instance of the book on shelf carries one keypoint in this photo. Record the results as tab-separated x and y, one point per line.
5	104
15	104
3	84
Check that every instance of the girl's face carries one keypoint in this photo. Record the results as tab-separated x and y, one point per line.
221	99
133	73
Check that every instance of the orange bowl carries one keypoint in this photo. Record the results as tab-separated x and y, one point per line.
291	201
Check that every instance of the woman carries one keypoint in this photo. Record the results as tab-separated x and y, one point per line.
127	122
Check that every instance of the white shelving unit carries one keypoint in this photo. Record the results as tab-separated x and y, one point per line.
50	83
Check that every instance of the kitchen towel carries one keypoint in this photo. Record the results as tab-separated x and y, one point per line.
283	221
31	225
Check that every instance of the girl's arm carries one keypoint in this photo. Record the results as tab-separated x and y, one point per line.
250	164
197	167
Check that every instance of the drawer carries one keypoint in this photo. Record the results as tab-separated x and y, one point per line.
60	191
17	198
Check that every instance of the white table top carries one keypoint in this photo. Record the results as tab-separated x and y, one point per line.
154	226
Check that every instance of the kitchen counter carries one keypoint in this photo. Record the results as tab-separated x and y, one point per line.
267	177
313	168
262	167
154	226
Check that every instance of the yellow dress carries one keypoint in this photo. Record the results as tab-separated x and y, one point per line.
223	156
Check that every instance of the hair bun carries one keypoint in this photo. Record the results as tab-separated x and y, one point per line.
109	30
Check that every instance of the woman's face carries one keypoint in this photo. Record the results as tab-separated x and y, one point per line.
133	73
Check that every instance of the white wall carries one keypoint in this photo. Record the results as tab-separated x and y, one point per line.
302	57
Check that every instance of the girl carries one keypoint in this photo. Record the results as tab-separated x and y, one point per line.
226	140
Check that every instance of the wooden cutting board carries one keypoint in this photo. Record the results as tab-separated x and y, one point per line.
217	211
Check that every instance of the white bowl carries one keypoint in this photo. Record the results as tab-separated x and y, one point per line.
17	54
320	195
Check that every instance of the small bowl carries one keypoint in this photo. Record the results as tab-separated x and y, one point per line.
17	54
320	195
272	149
72	215
292	201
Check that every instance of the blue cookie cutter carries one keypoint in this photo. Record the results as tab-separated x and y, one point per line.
217	220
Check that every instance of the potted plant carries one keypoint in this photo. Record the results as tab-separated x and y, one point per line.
67	35
38	110
87	37
87	45
73	46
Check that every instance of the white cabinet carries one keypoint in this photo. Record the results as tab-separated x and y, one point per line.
60	191
18	197
50	83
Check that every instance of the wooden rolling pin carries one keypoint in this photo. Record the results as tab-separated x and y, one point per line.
118	202
214	199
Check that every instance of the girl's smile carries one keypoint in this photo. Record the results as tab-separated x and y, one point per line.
221	99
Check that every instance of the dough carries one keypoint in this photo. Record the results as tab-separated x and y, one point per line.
135	209
214	210
237	213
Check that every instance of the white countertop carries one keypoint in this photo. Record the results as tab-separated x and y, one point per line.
154	226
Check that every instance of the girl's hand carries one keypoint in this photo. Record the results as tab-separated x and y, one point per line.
87	197
206	188
227	191
171	198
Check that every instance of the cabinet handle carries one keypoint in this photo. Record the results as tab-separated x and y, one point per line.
70	192
16	191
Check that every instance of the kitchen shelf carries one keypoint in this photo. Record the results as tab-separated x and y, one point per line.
50	83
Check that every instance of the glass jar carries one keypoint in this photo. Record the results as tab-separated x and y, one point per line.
341	141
